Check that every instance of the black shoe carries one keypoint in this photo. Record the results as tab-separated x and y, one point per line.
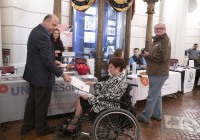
45	131
25	131
197	87
157	119
141	120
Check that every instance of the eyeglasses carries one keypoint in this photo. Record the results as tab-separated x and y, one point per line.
159	28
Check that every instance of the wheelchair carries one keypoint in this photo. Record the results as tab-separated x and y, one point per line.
112	124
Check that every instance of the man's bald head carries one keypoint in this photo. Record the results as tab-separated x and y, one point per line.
50	22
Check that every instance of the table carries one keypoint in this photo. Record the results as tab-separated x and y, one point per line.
171	85
14	93
188	78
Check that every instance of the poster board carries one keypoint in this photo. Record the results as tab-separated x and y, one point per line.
65	35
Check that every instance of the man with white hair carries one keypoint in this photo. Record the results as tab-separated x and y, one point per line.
157	56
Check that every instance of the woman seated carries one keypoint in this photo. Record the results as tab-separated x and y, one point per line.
113	88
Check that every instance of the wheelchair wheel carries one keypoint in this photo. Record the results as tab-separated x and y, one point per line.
116	124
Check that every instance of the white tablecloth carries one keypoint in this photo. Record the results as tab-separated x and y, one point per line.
13	96
171	85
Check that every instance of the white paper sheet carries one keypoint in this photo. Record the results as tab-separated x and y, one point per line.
80	84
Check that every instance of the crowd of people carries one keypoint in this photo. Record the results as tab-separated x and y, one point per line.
44	53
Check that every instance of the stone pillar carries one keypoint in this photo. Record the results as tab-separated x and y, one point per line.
71	14
150	12
57	9
98	63
128	35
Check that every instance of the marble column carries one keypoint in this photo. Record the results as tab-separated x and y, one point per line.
57	9
150	12
98	63
128	35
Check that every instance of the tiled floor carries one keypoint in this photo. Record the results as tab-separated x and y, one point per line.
181	121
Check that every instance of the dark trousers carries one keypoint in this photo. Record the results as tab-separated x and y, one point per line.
37	107
197	76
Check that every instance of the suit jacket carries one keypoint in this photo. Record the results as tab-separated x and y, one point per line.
40	69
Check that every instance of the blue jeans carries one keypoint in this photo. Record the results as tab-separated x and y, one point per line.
154	100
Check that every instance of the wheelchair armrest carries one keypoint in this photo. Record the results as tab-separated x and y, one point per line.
132	85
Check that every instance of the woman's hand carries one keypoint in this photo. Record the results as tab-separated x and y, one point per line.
57	51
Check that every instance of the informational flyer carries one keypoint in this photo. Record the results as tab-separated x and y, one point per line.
80	84
66	34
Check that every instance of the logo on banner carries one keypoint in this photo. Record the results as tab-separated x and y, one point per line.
3	89
190	77
144	81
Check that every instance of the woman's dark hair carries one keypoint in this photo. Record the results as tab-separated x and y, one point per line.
58	40
117	62
117	53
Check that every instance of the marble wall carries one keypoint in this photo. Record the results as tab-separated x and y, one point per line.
17	20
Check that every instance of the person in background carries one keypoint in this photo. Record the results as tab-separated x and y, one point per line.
40	71
118	53
193	54
57	44
113	88
140	61
157	56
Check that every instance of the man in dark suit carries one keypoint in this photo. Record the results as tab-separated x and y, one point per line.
40	71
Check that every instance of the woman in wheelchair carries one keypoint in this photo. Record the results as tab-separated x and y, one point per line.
113	88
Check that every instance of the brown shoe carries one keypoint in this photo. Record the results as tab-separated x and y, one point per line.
141	120
157	119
